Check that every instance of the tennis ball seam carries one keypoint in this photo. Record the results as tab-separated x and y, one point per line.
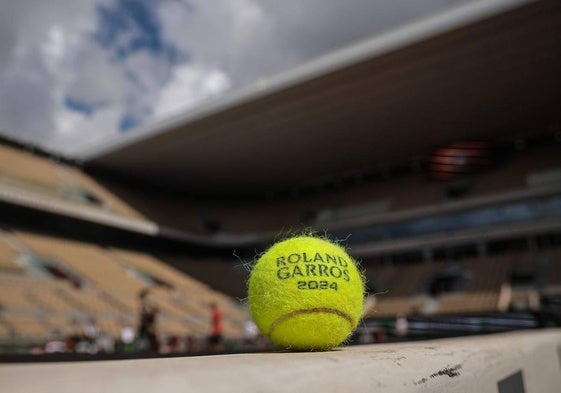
312	310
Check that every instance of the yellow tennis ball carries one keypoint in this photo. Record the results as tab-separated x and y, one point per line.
306	293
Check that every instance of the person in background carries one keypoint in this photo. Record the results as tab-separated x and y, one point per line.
215	343
91	334
147	338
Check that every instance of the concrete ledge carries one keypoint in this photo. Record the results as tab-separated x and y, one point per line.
493	363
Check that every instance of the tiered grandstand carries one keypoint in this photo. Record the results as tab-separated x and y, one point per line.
484	245
25	173
492	250
52	286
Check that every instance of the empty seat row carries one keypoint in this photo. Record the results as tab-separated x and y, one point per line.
23	170
110	283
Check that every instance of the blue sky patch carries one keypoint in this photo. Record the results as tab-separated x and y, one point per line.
128	122
80	106
129	26
125	28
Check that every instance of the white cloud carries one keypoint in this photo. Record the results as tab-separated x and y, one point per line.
188	86
92	77
33	75
48	54
72	126
235	36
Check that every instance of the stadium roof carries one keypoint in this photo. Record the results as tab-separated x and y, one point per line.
489	69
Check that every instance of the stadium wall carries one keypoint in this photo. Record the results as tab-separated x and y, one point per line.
522	362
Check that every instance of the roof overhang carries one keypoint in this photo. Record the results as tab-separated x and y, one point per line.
488	69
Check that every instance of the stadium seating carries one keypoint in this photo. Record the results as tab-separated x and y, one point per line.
24	326
553	258
488	273
37	172
7	257
110	278
389	307
400	285
391	194
15	298
470	302
31	173
33	307
111	202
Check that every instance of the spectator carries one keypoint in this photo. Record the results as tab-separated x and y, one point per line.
91	335
215	339
147	338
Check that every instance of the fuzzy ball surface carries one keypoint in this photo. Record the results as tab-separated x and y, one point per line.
306	293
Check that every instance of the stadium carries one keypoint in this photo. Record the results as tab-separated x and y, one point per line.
432	152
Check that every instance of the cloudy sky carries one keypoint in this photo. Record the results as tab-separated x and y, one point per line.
73	73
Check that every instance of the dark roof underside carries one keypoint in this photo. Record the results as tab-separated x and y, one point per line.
496	77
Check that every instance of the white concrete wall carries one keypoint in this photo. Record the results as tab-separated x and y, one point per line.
474	364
